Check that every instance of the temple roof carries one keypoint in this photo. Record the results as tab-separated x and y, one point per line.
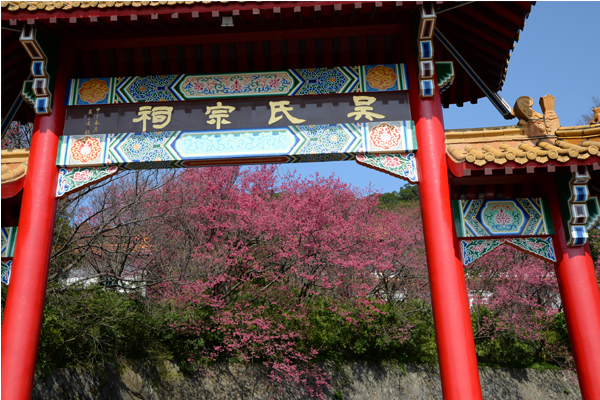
137	38
14	170
499	145
14	166
538	140
69	5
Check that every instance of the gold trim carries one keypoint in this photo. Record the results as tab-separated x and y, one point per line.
12	156
67	5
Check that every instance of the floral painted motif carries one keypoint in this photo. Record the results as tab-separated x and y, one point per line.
93	91
385	136
403	166
541	247
475	249
196	86
381	77
85	149
169	148
536	246
82	176
507	217
392	162
71	180
503	216
291	82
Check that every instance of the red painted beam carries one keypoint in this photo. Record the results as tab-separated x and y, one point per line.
13	188
458	169
190	59
275	46
25	300
126	11
292	33
580	297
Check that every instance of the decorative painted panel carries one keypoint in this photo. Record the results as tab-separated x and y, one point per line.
426	64
474	249
6	269
445	74
541	247
71	180
580	212
292	82
403	166
43	51
502	217
9	239
536	246
173	149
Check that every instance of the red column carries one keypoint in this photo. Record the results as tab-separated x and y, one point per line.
451	314
25	300
580	297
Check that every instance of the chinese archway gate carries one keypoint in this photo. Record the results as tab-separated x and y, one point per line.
128	85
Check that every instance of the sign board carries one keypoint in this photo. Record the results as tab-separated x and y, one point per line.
241	113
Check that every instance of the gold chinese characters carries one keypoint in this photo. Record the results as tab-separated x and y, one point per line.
280	107
160	116
88	122
363	108
218	113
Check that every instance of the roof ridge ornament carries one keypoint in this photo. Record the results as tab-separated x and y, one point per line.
534	123
596	118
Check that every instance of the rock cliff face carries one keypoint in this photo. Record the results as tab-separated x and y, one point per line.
232	381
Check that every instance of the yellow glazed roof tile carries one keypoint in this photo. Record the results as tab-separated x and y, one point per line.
537	139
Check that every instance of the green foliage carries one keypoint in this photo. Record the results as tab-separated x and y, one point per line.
407	195
506	350
86	327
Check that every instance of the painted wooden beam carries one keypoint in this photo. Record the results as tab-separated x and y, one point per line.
291	82
178	149
541	247
502	217
9	238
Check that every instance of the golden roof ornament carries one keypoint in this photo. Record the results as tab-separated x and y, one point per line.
596	119
534	123
537	139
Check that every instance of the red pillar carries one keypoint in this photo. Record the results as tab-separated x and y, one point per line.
26	292
451	314
581	303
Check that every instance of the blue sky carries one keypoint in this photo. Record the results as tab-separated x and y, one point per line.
558	53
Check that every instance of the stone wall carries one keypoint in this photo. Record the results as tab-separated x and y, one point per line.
233	381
